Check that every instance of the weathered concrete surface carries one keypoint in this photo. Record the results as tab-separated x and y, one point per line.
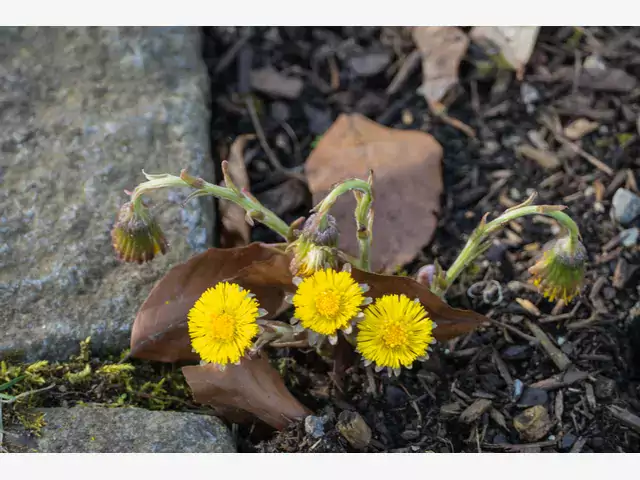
83	111
125	430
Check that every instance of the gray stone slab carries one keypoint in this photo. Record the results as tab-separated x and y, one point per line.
83	111
125	430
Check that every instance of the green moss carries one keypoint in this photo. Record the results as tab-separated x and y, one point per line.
83	380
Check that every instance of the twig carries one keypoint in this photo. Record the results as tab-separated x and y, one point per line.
410	63
230	54
261	136
563	316
558	357
275	163
440	112
27	394
512	329
627	418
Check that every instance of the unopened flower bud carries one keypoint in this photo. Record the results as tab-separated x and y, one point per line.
560	271
136	236
314	249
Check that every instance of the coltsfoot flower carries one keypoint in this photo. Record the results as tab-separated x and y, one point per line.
223	323
394	333
136	236
559	274
314	249
328	301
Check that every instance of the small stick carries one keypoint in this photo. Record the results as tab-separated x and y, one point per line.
513	329
410	63
230	54
587	156
627	418
275	162
27	394
558	357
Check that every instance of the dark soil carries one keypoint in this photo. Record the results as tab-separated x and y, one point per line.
420	410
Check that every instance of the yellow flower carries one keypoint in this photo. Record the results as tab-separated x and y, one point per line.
136	236
328	301
222	323
560	271
395	332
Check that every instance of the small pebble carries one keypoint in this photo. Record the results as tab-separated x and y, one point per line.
533	423
518	386
567	441
532	397
500	438
410	434
516	352
625	206
395	396
629	237
314	426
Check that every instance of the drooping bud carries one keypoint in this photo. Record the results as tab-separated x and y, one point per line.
314	249
136	236
560	271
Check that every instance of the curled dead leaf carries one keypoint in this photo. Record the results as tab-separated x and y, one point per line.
407	188
160	330
235	231
514	43
452	322
254	386
442	49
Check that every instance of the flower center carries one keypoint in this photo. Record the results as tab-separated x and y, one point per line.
223	326
394	336
328	303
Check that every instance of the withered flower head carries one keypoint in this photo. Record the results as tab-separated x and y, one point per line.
560	271
136	236
314	248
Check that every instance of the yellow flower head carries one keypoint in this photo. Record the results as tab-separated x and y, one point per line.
328	301
395	332
560	271
222	323
136	236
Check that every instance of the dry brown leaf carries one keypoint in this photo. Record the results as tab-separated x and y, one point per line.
452	322
579	128
254	386
160	330
442	49
407	185
515	43
235	231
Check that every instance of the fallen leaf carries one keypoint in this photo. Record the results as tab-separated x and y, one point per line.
514	43
579	128
160	330
271	82
235	231
544	158
442	49
452	322
254	386
407	185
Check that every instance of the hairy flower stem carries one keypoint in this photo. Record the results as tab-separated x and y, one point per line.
478	241
363	192
255	210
